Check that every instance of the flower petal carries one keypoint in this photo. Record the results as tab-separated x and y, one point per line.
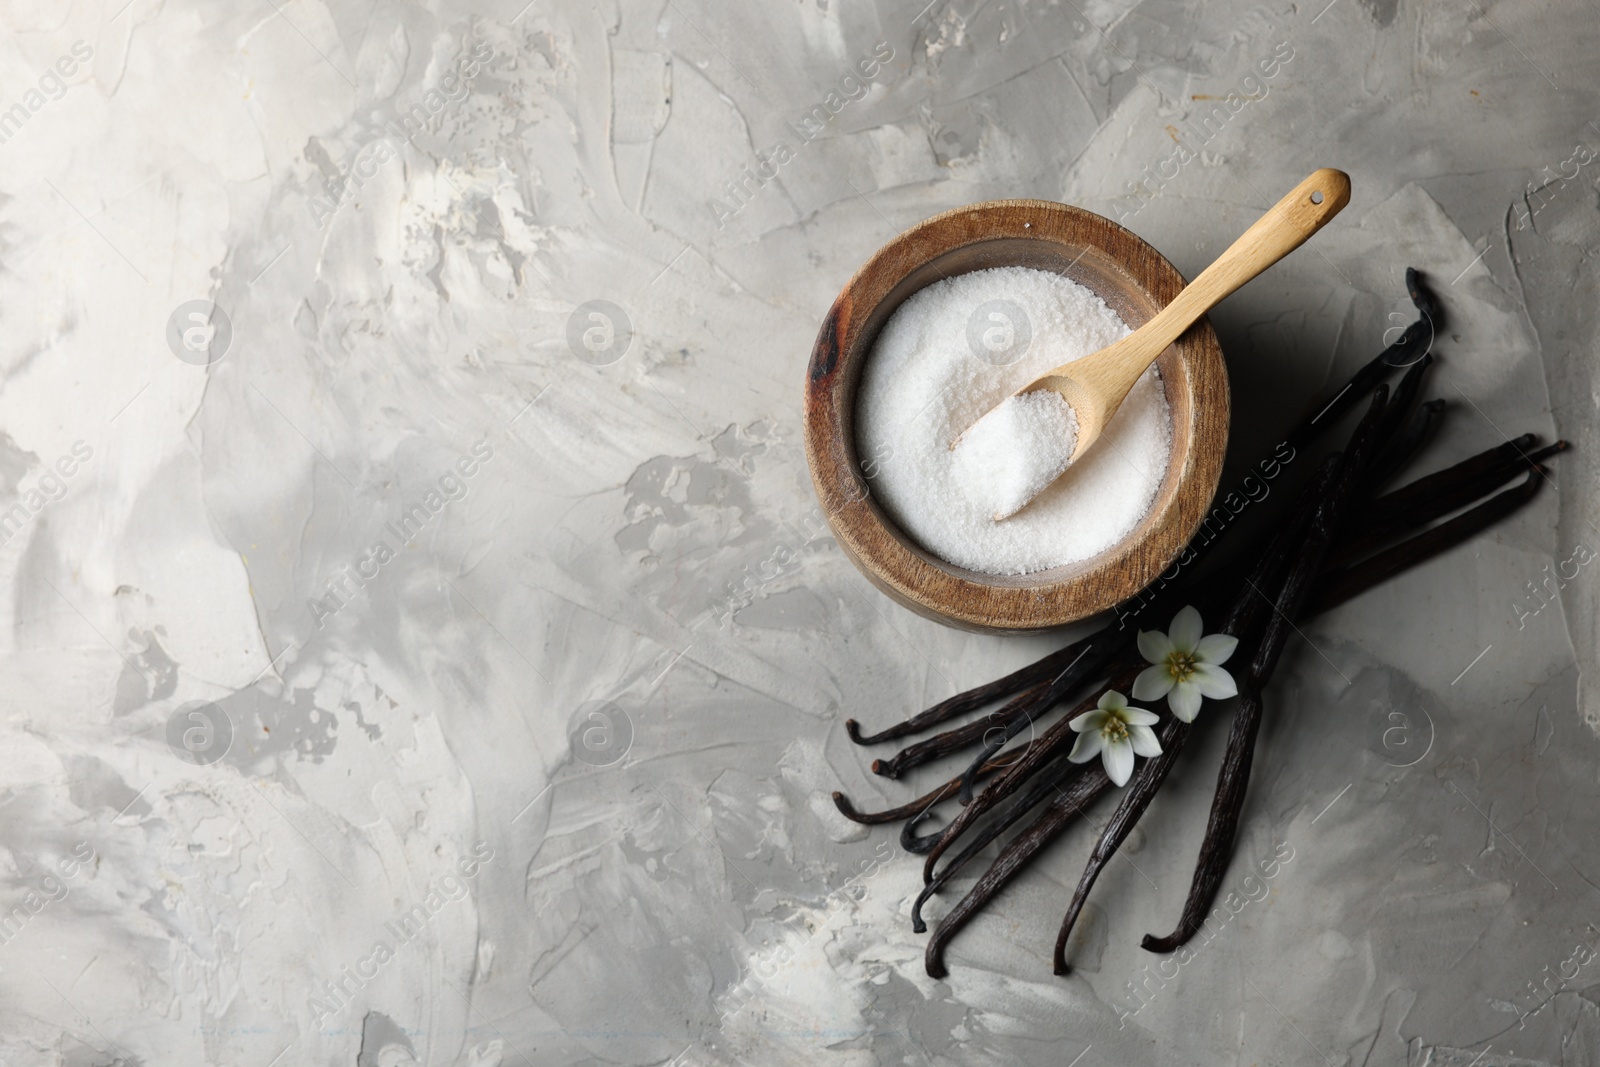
1139	717
1184	700
1144	741
1213	682
1215	648
1118	759
1152	683
1088	744
1092	720
1185	633
1111	700
1154	646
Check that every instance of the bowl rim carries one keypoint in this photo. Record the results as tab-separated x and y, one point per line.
1036	602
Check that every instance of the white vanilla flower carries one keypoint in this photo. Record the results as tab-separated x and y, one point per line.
1187	665
1118	733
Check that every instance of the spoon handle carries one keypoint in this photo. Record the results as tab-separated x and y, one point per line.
1285	227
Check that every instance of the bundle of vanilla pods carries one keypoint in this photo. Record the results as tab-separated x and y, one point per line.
1343	533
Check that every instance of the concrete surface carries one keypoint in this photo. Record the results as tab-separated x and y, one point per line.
407	666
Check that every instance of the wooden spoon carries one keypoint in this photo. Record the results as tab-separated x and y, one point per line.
1096	385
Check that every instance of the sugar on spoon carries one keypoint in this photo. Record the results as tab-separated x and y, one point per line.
1032	423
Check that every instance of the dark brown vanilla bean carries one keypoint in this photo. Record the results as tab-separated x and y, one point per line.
1365	442
1253	587
1056	817
1373	535
1301	579
1057	740
1405	398
1019	708
994	743
1508	457
1412	345
1334	589
1400	403
1255	595
969	777
1216	851
917	806
1091	662
1146	780
1044	785
1060	736
1418	431
1222	827
1249	606
1533	459
1341	475
918	844
1485	472
1422	297
972	699
1052	744
1410	349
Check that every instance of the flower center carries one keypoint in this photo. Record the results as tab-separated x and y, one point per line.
1180	665
1114	730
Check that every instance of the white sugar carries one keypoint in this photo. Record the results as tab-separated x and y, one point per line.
1010	455
956	350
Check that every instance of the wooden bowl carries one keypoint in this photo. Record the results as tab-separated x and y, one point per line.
1136	281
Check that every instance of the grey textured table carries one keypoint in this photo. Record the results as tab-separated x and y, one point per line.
414	661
